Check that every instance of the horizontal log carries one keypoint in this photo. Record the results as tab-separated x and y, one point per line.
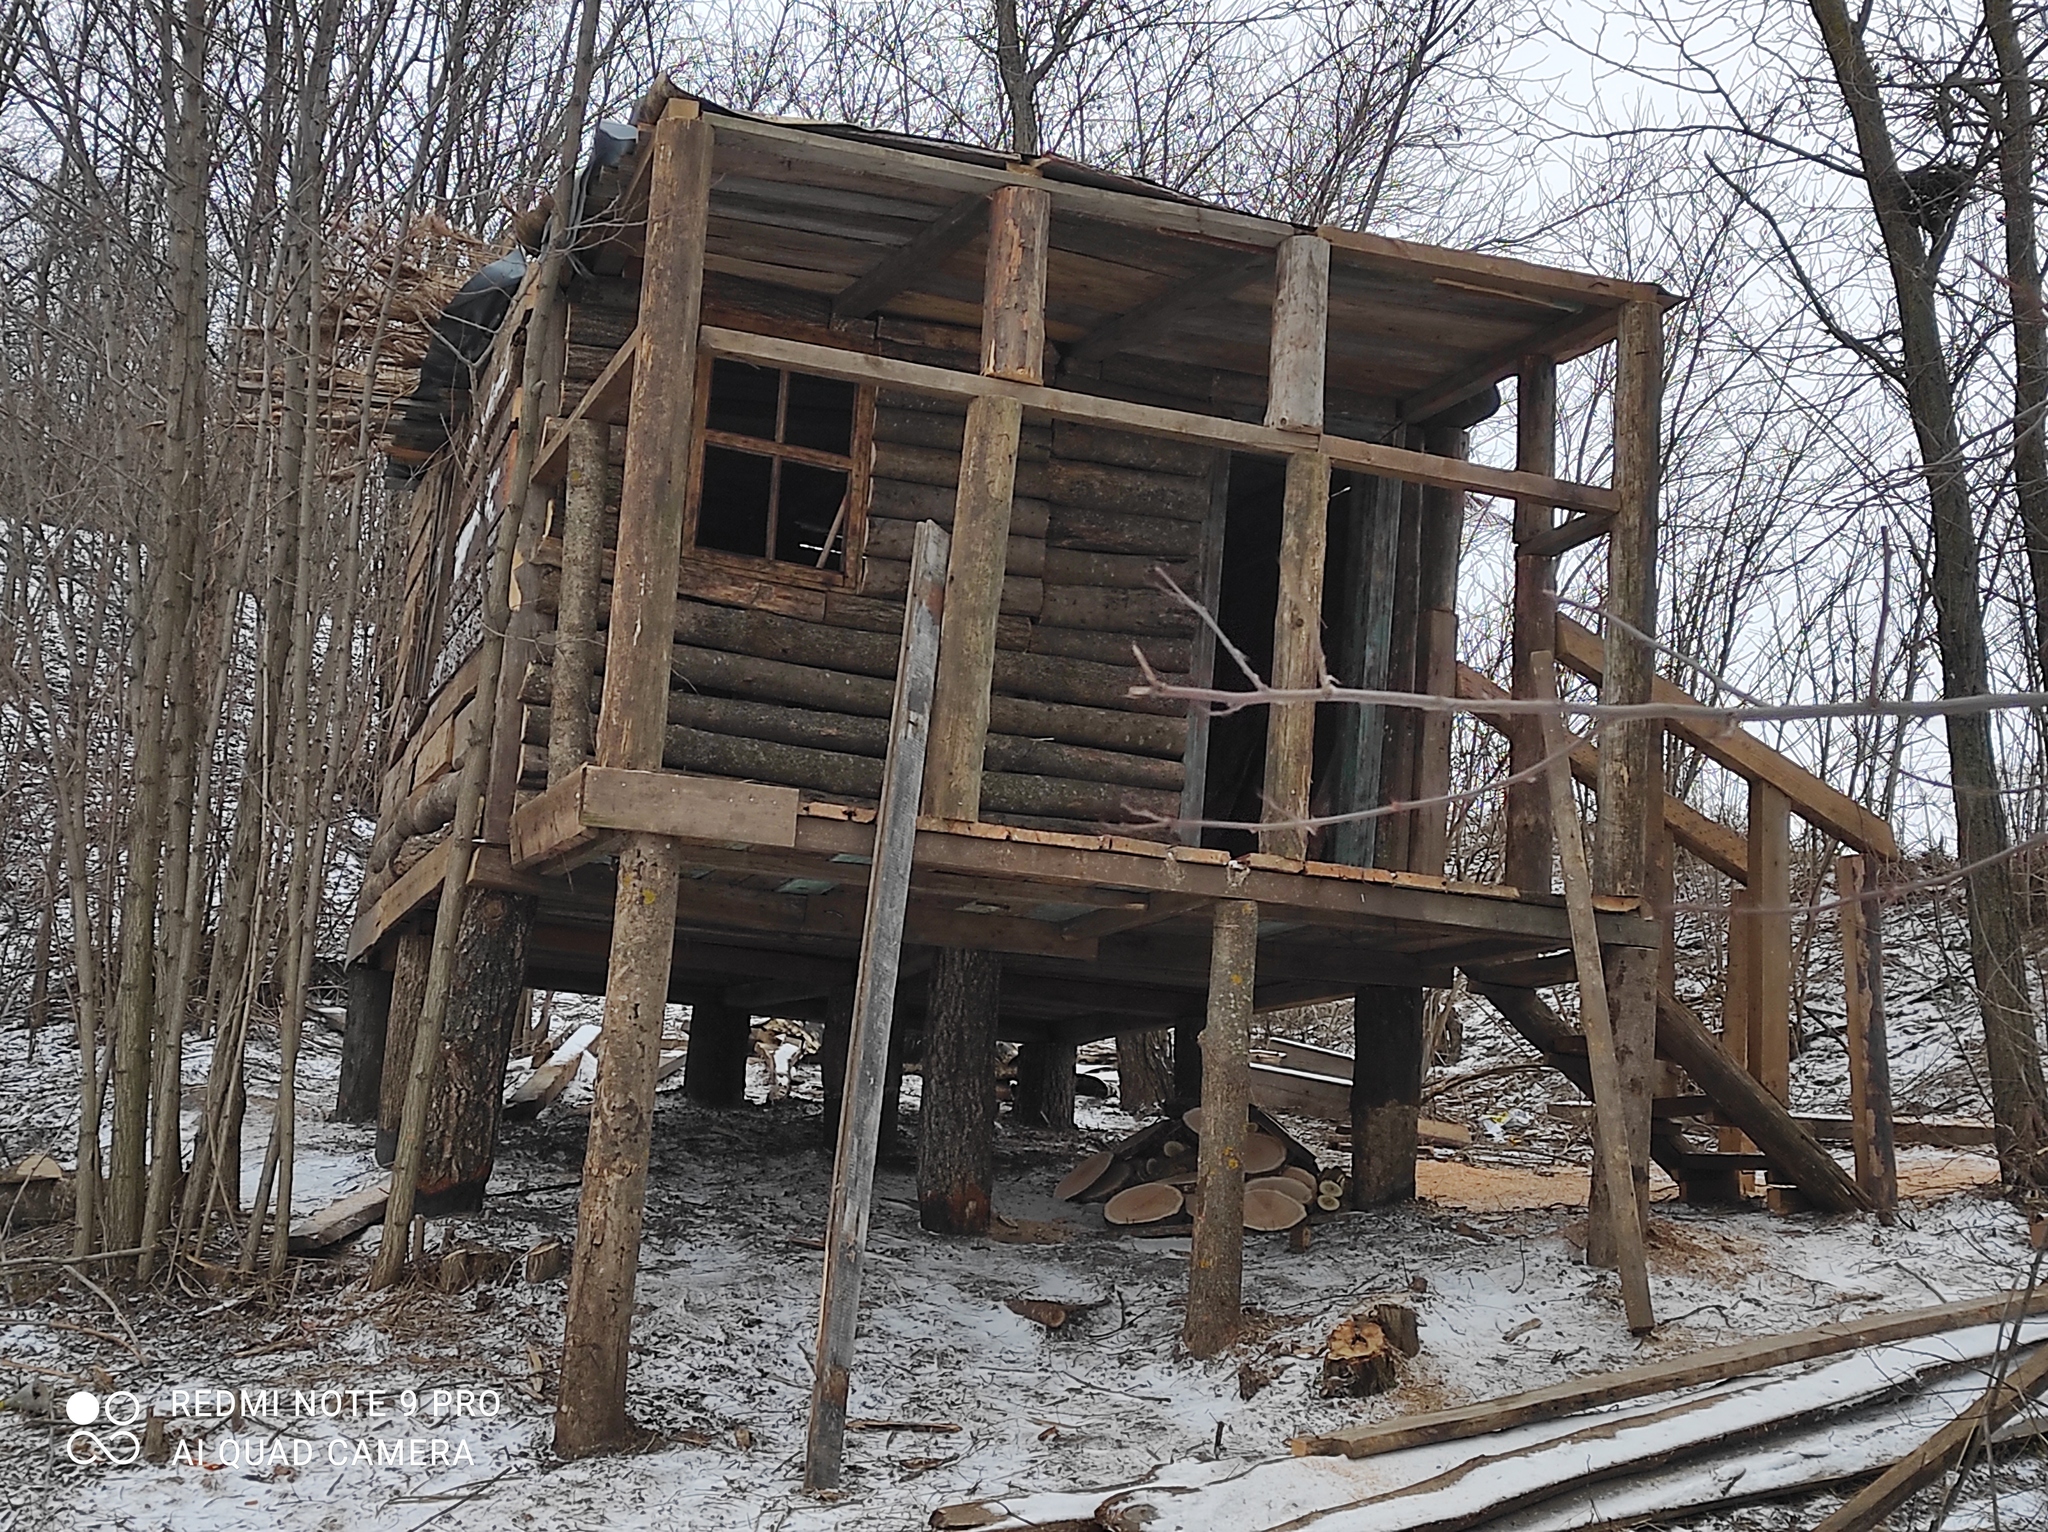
1053	679
1169	656
1077	442
1129	611
1116	571
1057	798
1102	728
900	500
1099	487
939	468
427	809
1023	556
1072	526
1153	420
884	578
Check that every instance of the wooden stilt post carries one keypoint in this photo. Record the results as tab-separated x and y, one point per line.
1386	1093
1216	1256
1294	402
1610	1133
832	1061
1770	974
476	1043
1045	1084
1528	865
874	1009
1630	783
956	1131
362	1046
1144	1069
590	1414
1870	1075
721	1042
415	950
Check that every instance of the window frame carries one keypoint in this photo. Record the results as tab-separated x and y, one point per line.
857	466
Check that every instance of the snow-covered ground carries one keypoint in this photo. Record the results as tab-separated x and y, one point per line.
727	1305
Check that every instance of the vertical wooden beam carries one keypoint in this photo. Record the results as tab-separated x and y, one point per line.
1013	287
1528	865
1397	772
1620	849
1770	888
721	1042
590	1414
569	719
1386	1094
1738	1003
1870	1075
1045	1084
974	593
1439	537
874	1009
1202	667
634	719
1366	583
956	1130
1216	1255
362	1046
408	991
1610	1129
1629	975
1300	334
1297	651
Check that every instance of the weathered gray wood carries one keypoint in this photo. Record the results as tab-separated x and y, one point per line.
1300	334
1362	634
411	955
1216	1257
1630	976
874	1006
1621	845
974	580
1527	863
570	731
1013	288
1386	1094
1610	1131
1157	316
903	268
1297	650
1397	757
1870	1073
1436	665
643	600
956	1133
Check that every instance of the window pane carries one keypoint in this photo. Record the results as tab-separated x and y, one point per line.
811	498
732	512
743	399
820	414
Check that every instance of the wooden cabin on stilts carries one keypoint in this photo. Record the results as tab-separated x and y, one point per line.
818	694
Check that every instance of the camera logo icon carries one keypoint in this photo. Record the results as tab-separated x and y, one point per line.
116	1446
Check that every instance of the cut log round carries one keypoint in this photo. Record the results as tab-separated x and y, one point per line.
1175	1149
1193	1118
1268	1209
1287	1186
1082	1178
1306	1177
1148	1203
1263	1154
1329	1202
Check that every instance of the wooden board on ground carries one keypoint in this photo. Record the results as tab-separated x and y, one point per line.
341	1220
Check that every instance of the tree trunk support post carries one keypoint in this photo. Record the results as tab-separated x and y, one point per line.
356	1096
1386	1094
868	1075
956	1128
590	1414
1045	1084
1216	1256
1294	402
1612	1162
721	1042
1528	865
1870	1075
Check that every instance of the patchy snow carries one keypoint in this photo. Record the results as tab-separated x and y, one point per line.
727	1311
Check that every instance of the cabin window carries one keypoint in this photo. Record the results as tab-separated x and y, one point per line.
780	472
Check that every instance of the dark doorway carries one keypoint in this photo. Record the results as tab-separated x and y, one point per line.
1247	599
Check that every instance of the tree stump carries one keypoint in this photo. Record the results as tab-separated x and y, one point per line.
1045	1084
1386	1094
487	1001
955	1143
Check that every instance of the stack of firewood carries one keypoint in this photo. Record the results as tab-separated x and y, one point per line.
1149	1180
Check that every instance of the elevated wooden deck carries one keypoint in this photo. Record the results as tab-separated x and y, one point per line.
1099	933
